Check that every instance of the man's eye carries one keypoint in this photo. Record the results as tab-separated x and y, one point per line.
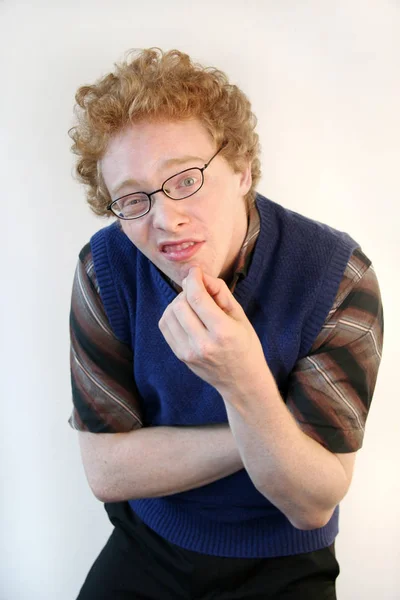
132	201
188	181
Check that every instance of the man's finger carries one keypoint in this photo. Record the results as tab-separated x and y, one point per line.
173	332
188	319
202	302
221	294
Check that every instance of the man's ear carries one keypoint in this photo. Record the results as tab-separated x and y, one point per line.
245	179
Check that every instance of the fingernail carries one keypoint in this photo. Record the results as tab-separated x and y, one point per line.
184	282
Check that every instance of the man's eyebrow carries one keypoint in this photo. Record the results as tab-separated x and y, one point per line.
181	159
165	164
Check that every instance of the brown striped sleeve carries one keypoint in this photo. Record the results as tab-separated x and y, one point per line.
331	389
105	398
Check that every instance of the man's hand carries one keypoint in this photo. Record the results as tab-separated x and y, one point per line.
208	330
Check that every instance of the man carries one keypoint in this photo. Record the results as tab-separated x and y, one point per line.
224	350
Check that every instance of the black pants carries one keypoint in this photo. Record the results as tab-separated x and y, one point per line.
138	564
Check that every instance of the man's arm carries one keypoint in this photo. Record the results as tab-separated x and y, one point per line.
104	392
157	461
208	330
294	472
122	459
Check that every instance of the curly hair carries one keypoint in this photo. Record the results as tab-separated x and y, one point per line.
155	85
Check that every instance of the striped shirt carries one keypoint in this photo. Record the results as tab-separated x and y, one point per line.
329	391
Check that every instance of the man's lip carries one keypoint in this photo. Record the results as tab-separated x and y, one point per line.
162	245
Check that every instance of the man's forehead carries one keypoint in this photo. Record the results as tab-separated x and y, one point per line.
152	150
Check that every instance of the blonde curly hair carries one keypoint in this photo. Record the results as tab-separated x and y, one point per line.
155	85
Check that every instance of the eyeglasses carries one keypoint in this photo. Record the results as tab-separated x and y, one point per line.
182	185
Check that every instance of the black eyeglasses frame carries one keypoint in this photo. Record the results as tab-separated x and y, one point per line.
201	169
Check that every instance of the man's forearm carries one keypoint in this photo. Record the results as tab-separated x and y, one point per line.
157	461
293	471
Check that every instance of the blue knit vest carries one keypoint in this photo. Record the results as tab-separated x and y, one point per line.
295	272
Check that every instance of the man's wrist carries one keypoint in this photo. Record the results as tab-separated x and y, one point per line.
259	382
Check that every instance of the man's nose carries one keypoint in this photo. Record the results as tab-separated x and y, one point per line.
168	214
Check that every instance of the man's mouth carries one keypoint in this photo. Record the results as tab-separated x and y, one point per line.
177	247
182	251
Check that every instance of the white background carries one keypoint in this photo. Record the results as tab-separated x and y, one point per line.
323	78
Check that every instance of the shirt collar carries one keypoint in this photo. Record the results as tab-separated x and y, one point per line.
243	260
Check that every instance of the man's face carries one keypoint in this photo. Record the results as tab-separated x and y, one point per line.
214	218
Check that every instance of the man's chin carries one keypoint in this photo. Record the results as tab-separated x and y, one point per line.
179	274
